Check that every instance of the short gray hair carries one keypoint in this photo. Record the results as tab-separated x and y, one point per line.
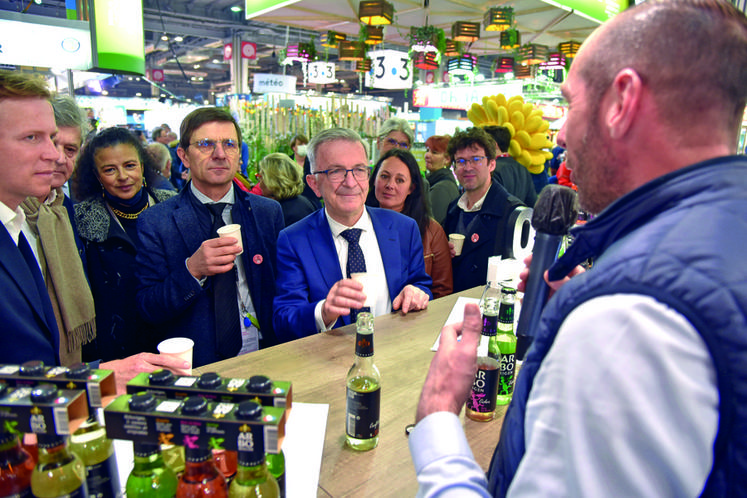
67	114
397	124
332	135
160	154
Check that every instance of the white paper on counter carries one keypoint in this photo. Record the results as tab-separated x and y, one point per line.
457	315
303	447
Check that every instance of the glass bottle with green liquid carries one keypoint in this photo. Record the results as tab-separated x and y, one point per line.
150	477
275	461
59	471
253	479
96	450
506	339
363	390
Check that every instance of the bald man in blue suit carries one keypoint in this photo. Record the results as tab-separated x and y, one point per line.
314	292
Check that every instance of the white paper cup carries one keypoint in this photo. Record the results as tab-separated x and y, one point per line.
178	347
234	231
458	240
362	277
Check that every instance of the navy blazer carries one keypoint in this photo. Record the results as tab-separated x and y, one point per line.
308	267
29	329
169	296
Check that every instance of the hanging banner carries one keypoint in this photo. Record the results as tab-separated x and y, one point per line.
248	50
390	70
277	83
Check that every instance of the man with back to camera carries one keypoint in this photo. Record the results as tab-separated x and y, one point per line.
314	290
483	213
514	177
635	382
193	283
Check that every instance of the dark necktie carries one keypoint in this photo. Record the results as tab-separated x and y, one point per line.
356	261
227	327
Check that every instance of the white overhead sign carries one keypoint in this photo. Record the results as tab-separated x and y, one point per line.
320	73
266	83
29	40
390	69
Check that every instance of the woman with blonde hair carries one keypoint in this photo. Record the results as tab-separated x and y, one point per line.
282	179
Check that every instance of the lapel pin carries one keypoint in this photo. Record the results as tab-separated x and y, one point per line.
257	259
475	238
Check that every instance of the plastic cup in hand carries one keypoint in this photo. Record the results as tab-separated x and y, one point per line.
362	278
178	347
458	240
234	231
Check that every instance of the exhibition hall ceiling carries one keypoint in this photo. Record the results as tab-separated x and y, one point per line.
194	63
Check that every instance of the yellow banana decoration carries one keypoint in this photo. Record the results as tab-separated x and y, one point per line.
529	140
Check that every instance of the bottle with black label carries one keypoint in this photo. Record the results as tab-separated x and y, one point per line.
253	480
275	461
96	450
507	343
201	477
150	477
59	472
481	402
363	390
173	454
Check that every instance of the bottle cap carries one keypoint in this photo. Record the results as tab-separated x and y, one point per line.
142	402
144	449
508	290
161	378
79	371
43	393
194	405
209	380
249	410
46	441
32	368
259	384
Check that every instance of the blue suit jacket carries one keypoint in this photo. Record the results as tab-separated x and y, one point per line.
28	330
308	267
168	295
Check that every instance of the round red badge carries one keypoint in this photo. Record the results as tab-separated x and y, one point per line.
257	259
475	238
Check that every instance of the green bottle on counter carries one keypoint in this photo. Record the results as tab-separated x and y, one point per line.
150	477
507	344
363	390
253	479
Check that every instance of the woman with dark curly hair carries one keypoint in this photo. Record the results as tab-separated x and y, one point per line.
111	181
396	184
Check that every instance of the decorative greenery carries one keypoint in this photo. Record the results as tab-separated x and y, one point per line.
421	35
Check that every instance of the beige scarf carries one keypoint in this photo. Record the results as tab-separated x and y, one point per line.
63	274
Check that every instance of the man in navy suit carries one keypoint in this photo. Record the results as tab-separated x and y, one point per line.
27	127
313	294
181	262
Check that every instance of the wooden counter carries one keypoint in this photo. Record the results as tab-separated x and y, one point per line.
317	367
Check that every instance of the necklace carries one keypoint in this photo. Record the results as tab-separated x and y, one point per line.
128	216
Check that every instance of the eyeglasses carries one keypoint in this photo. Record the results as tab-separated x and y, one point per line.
207	146
338	175
472	161
394	143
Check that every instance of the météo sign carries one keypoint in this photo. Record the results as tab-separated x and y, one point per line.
275	83
117	36
596	10
29	40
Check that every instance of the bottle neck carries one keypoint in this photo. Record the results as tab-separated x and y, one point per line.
199	461
364	347
253	474
11	451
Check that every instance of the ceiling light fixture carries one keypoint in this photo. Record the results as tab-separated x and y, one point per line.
510	39
331	39
236	8
464	31
498	19
375	12
533	53
569	48
178	39
165	37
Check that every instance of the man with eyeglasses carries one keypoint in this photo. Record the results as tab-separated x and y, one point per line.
318	255
482	214
193	283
